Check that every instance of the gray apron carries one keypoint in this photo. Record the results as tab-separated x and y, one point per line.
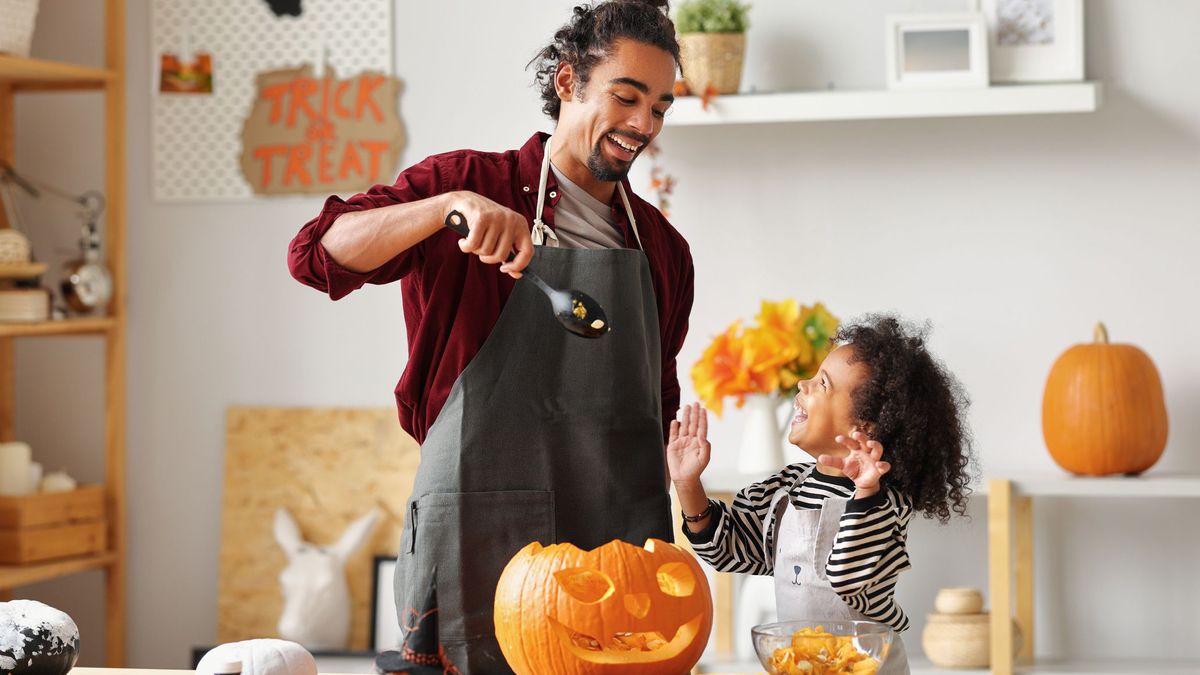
546	437
804	539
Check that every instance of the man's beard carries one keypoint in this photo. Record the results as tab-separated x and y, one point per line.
605	171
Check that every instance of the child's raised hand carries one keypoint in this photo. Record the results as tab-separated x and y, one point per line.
687	445
864	465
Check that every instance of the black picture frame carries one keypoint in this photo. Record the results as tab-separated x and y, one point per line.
385	625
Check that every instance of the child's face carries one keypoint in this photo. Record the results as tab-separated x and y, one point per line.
823	404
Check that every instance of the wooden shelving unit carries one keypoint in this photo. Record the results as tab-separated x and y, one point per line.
1010	565
96	326
38	74
30	74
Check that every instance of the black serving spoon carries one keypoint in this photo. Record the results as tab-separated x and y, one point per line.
575	310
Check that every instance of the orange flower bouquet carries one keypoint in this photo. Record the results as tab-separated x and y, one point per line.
786	344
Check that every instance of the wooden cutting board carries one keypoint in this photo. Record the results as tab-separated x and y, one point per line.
327	466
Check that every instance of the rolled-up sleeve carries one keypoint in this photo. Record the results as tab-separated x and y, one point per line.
309	262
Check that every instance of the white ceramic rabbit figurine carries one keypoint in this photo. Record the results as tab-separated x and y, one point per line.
316	597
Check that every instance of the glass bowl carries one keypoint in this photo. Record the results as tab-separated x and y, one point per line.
868	638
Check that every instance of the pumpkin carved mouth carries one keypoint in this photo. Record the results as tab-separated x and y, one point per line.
643	647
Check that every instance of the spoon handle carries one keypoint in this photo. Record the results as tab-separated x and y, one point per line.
456	221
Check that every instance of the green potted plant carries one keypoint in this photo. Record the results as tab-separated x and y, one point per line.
712	38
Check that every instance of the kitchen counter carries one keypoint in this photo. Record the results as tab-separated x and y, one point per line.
137	671
149	671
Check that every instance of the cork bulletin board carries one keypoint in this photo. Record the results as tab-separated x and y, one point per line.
327	466
219	48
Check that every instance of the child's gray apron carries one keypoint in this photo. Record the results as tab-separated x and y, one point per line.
804	538
546	436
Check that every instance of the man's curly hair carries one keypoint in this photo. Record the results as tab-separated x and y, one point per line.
917	409
590	36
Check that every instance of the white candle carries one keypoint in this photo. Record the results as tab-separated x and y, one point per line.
16	462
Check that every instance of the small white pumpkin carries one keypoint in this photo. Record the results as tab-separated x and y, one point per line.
261	657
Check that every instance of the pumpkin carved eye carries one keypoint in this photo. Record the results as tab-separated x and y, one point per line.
638	604
676	580
586	585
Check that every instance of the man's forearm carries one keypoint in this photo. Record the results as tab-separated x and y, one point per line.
361	241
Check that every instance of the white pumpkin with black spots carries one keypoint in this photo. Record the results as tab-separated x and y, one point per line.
36	639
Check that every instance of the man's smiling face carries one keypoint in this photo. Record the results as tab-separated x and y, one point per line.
608	121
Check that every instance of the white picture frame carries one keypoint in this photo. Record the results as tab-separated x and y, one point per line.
932	51
1035	40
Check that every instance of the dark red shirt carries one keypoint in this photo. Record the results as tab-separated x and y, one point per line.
452	300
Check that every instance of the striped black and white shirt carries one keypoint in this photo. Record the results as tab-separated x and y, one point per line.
868	554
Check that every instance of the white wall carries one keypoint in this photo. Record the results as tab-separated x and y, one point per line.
1013	235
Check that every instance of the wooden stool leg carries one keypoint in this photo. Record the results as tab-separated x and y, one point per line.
1023	525
1000	550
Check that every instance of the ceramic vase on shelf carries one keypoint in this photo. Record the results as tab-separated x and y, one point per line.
761	451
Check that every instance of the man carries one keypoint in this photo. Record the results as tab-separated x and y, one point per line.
528	432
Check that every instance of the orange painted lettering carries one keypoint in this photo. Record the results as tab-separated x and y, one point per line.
274	94
376	149
297	156
339	109
324	164
302	88
267	154
366	89
350	161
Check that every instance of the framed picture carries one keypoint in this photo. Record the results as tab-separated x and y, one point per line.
1035	40
927	51
385	627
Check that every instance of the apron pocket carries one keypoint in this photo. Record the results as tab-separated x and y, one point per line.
469	537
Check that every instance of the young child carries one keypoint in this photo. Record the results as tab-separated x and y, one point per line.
885	423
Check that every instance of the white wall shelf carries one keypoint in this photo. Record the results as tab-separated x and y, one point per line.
818	106
1153	485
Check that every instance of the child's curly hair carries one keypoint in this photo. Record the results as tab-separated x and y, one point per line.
917	409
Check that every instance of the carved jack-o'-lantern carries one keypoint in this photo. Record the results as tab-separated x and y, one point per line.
615	609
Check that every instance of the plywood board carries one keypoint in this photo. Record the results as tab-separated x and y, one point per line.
327	466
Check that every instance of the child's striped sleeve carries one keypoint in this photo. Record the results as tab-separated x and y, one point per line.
870	553
736	538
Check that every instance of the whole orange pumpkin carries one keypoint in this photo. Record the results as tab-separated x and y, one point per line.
1103	411
615	609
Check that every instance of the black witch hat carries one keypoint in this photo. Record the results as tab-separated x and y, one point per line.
421	653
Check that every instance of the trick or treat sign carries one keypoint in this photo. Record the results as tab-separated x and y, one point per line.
310	135
228	82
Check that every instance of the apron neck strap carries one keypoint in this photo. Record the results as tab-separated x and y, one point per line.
542	232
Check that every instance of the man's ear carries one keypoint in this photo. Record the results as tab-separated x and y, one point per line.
564	81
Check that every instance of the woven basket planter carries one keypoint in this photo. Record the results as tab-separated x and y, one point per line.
712	58
961	640
16	25
14	248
